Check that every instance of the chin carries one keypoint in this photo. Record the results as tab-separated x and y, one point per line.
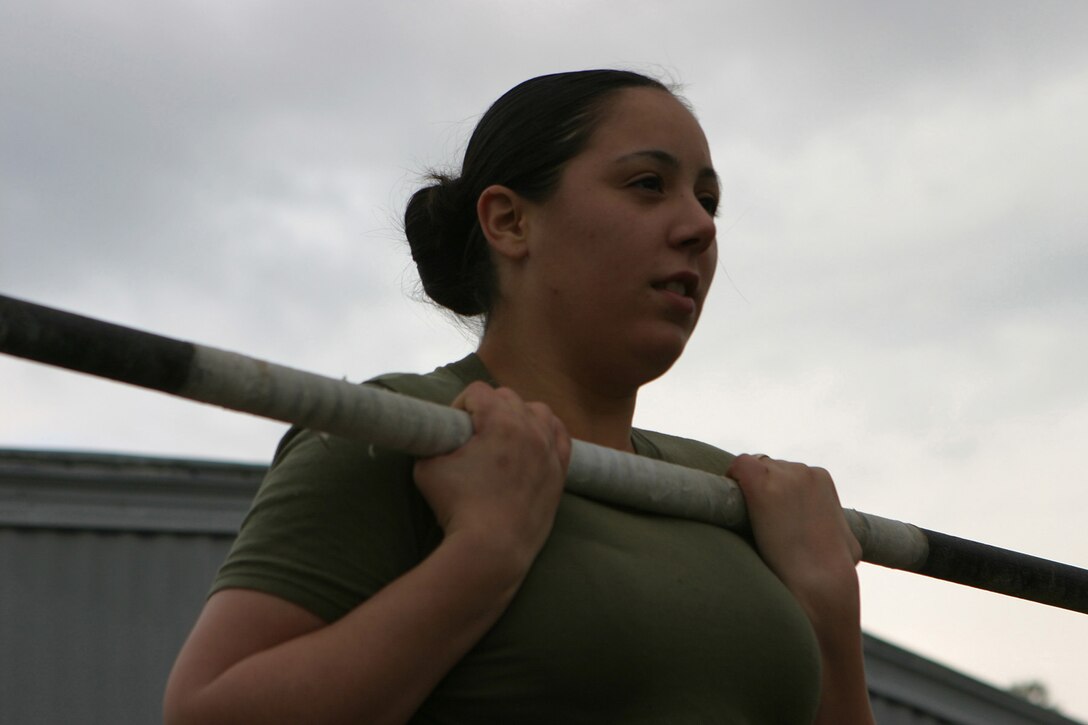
655	360
627	361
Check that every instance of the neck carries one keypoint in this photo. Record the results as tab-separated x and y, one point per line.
592	410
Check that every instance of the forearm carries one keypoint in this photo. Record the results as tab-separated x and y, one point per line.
844	695
381	660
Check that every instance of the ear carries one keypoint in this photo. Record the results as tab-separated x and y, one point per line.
501	212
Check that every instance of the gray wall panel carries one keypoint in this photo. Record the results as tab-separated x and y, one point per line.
91	621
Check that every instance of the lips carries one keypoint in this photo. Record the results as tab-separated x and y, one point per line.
685	284
680	292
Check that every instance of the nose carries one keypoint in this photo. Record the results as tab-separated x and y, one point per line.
694	229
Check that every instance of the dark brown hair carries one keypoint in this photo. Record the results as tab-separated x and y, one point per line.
522	142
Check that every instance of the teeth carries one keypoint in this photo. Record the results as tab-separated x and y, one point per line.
676	287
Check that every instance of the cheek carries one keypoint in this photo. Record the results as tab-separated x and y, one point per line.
566	226
587	244
587	250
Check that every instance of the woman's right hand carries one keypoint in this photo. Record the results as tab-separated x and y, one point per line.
504	485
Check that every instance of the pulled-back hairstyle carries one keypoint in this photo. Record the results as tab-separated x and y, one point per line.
522	142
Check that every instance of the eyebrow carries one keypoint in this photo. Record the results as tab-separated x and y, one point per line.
668	159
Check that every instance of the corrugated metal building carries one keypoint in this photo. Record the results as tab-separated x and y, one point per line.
104	561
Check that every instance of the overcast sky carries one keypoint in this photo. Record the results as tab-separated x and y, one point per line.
902	295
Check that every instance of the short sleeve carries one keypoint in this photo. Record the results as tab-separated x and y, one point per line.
333	522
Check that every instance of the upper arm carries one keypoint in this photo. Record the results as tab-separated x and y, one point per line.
332	523
235	624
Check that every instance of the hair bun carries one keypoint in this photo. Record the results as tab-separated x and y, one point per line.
439	223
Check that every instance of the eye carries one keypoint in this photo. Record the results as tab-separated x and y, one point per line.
710	203
651	182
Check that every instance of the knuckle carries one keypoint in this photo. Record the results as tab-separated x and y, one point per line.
477	388
506	394
542	410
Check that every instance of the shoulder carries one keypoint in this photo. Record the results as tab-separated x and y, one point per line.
683	451
441	385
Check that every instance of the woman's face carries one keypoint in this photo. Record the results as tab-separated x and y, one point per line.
622	255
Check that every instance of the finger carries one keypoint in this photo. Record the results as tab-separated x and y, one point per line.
563	445
478	400
470	398
541	412
748	467
503	403
508	395
558	436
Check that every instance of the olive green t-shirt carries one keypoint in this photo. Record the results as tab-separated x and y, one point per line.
625	617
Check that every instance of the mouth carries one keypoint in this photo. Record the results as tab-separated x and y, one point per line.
684	284
676	288
680	293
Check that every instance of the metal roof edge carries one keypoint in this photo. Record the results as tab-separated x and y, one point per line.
903	676
77	490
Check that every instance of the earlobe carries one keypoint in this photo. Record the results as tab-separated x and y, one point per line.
501	212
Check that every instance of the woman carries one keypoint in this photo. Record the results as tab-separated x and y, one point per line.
367	587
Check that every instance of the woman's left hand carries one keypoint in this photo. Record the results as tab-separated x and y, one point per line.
802	535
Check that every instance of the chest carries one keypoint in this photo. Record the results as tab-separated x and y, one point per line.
637	618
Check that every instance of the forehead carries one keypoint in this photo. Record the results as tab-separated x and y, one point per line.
646	118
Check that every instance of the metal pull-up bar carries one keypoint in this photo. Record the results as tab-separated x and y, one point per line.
421	428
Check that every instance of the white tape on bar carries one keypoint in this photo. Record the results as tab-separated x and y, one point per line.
888	542
359	412
656	486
